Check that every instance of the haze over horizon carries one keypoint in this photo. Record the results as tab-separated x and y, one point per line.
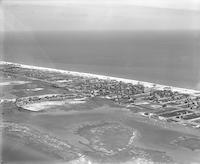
170	4
36	18
100	15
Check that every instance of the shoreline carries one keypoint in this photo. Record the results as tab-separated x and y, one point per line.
103	77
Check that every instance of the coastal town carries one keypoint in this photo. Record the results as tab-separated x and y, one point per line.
165	104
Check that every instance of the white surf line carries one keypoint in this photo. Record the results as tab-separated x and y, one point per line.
103	77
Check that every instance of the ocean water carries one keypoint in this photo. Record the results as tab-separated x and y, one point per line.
170	58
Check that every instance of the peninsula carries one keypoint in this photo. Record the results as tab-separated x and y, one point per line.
104	109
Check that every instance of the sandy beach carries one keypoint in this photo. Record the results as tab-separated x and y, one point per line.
89	75
12	83
47	104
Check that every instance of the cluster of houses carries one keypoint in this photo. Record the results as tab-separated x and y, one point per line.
118	91
111	89
170	98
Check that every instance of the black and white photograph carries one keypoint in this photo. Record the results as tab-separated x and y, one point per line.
99	81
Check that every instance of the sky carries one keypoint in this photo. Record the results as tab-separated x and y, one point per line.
173	4
66	15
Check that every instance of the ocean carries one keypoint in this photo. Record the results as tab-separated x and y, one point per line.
164	57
